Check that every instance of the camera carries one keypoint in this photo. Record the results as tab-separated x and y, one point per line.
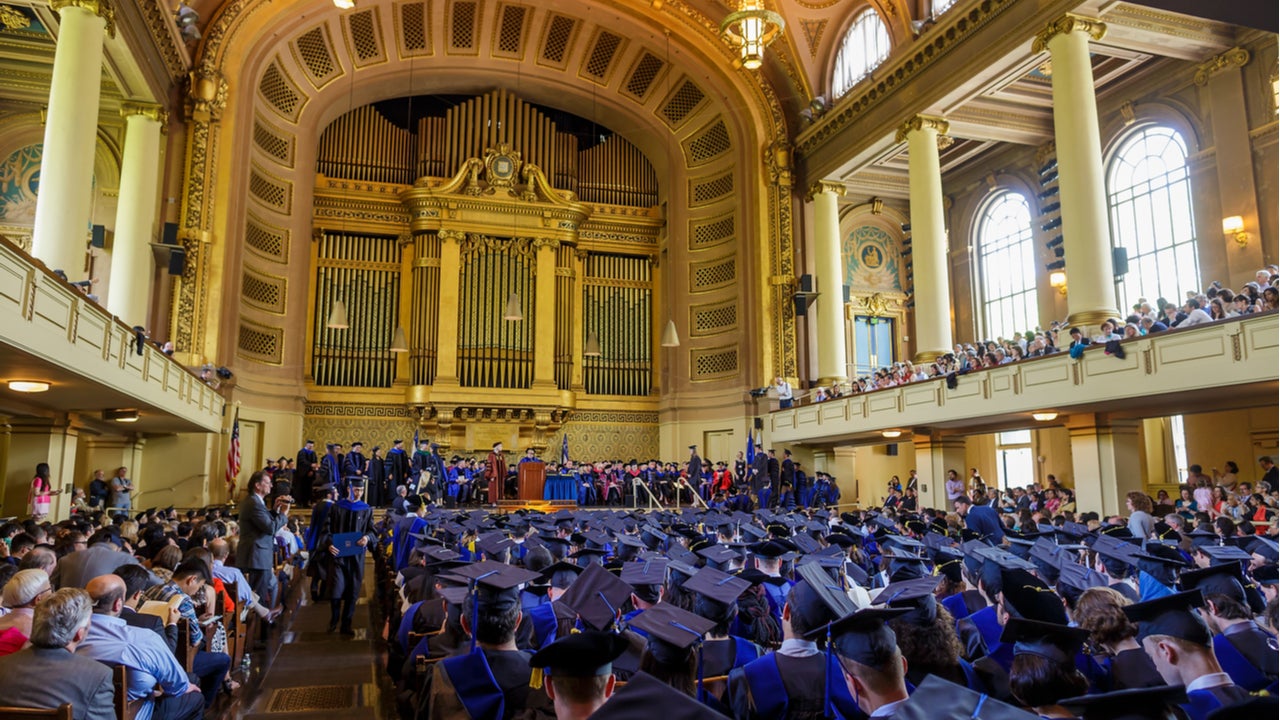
759	392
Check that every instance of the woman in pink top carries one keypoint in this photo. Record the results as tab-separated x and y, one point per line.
41	493
1203	496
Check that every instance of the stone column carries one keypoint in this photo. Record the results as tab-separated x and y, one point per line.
36	441
832	362
843	467
129	294
1086	232
63	205
1106	462
924	135
935	455
544	312
447	332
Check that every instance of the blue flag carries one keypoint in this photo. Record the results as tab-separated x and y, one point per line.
415	441
751	448
564	449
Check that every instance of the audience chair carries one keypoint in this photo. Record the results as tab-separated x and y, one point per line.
125	708
62	712
186	650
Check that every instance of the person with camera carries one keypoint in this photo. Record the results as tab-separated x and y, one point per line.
258	526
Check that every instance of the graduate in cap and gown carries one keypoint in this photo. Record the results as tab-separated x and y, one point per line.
347	518
577	672
872	666
1044	664
1246	652
716	599
1180	645
491	682
325	495
794	682
398	472
926	634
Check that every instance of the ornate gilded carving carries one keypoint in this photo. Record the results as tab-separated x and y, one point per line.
101	8
147	110
923	122
825	186
11	19
1235	57
1068	24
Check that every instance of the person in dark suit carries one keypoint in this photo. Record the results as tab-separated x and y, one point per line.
759	471
355	464
258	526
775	476
980	517
304	475
136	580
495	471
695	468
41	676
103	555
398	470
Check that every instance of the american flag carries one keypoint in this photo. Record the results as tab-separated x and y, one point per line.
233	455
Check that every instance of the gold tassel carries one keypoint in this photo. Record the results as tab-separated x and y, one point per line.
535	679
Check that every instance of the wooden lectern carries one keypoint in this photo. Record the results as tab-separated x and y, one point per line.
531	477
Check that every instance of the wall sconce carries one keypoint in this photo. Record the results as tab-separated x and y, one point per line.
513	311
1058	280
1234	226
1045	416
399	342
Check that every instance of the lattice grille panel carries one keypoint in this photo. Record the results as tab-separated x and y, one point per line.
642	77
279	91
682	103
713	274
462	31
601	57
713	319
511	30
267	293
709	143
258	342
714	363
704	191
315	54
414	32
277	147
711	232
267	240
364	35
271	192
555	46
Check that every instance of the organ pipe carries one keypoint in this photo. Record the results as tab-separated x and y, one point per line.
364	272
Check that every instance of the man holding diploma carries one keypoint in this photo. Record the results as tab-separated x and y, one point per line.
348	531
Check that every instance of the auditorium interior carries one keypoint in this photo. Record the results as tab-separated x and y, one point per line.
613	230
602	224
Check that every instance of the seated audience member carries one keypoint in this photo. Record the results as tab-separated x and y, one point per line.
190	578
154	672
137	581
20	596
49	673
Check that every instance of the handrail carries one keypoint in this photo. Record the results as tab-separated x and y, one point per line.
635	496
696	497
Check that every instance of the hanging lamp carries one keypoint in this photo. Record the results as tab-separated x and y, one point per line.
592	348
337	316
513	311
670	338
399	342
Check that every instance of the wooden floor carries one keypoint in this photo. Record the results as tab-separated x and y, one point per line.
304	672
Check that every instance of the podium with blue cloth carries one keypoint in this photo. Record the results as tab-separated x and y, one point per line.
560	487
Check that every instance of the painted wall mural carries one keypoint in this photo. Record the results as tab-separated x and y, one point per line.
872	260
19	182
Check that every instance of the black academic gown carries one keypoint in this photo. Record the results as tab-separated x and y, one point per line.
1132	669
804	681
346	573
304	477
377	493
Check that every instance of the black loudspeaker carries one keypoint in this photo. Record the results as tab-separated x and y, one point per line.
759	423
169	236
891	450
847	296
806	283
177	261
1120	261
802	305
99	237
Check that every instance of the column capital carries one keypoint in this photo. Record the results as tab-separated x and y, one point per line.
455	236
545	242
101	8
151	111
924	122
825	186
1235	57
1068	24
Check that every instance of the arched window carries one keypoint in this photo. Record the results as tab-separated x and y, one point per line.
865	46
1149	195
940	6
1006	266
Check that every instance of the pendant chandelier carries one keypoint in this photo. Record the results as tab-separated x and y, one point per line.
750	30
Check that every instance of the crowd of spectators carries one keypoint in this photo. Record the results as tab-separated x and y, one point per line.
1212	304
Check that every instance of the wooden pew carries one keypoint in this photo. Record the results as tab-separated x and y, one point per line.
62	712
125	708
186	650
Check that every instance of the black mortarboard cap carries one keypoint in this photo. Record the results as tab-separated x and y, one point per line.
644	572
494	543
584	654
1267	575
667	623
937	699
561	574
1075	579
596	596
1221	579
1171	615
718	554
1026	596
914	595
1221	554
1052	641
719	586
768	549
1145	703
589	556
856	635
644	696
1109	547
497	585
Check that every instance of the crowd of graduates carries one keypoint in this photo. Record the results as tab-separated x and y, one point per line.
814	613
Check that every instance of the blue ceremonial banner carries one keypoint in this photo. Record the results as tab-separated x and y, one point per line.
751	448
564	449
415	441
